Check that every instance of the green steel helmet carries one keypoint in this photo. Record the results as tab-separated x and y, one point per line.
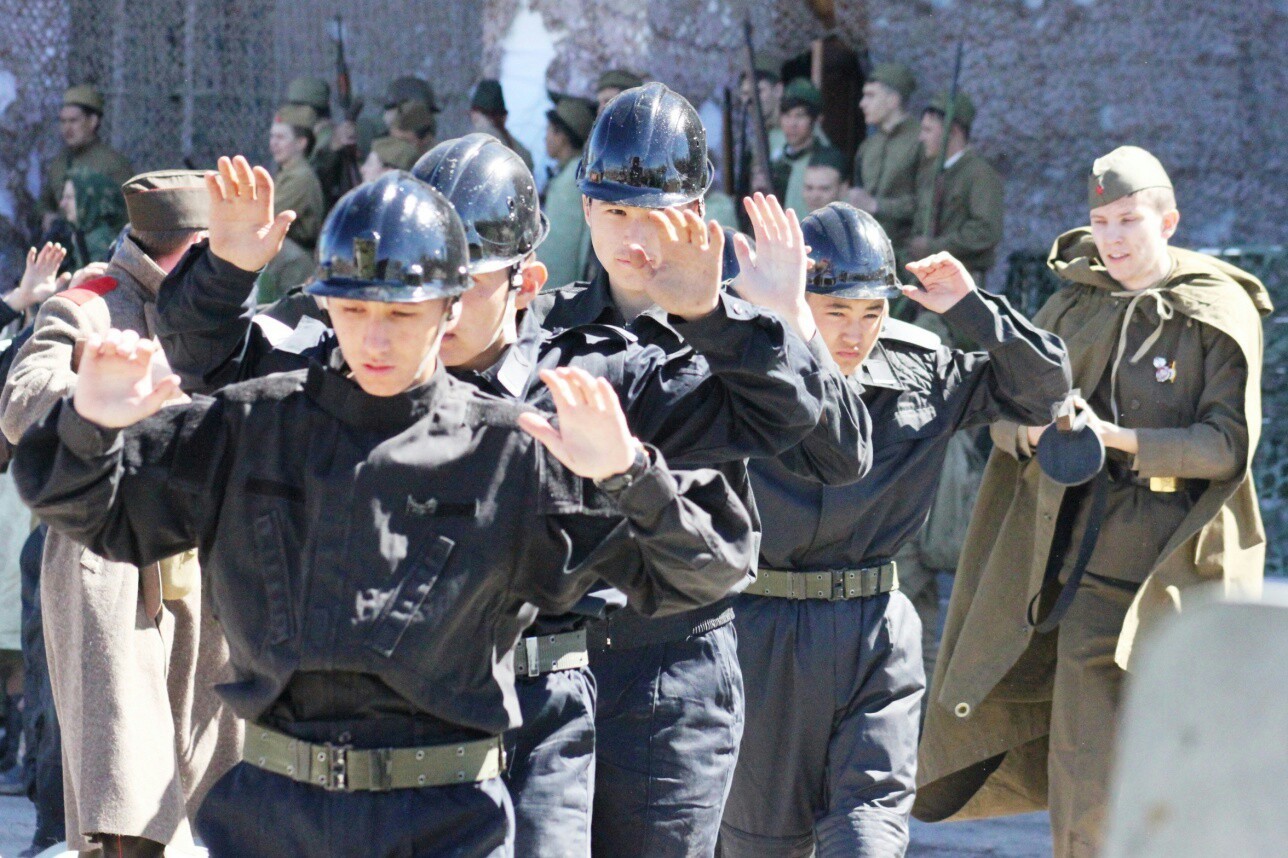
648	148
851	253
493	192
395	240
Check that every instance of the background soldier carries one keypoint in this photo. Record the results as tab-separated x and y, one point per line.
960	211
613	83
799	112
1166	346
290	140
566	252
828	646
824	179
471	553
488	115
886	165
406	89
79	121
416	124
133	652
388	154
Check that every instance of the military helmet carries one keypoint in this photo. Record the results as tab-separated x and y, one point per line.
493	192
851	253
394	240
648	149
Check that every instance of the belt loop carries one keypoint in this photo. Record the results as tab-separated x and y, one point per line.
534	656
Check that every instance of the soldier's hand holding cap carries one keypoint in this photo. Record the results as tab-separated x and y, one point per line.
243	229
685	272
772	274
592	440
122	379
944	281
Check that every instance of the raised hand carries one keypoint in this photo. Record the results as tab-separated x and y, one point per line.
684	278
89	272
592	440
243	230
117	384
772	274
40	278
945	280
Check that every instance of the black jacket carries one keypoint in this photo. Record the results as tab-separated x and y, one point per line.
405	537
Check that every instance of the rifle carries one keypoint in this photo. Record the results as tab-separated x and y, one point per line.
936	202
761	135
350	175
726	137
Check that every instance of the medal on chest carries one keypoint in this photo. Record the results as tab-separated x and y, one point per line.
1164	372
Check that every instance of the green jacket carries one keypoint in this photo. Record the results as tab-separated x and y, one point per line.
297	188
567	248
98	157
886	167
1200	421
970	212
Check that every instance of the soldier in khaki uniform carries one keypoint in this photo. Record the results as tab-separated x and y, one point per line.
488	114
959	212
133	653
290	140
566	251
886	165
798	116
1166	344
79	120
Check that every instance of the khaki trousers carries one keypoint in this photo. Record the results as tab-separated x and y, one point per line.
1084	715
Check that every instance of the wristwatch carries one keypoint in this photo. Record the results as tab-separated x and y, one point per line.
621	482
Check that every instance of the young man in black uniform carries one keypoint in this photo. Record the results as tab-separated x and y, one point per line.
830	649
746	388
376	539
670	706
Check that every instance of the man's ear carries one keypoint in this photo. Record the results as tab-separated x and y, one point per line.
1170	221
533	276
585	208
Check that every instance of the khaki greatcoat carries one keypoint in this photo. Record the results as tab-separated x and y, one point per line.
144	735
984	748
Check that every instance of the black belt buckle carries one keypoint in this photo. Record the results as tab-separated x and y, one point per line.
337	768
838	585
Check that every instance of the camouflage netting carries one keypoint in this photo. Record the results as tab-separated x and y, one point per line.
1057	82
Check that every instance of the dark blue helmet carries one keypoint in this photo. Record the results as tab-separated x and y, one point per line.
851	253
648	148
493	192
395	239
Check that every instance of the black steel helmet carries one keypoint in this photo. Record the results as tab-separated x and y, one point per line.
494	194
852	255
395	239
648	149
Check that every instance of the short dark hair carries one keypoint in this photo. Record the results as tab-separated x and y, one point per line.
161	242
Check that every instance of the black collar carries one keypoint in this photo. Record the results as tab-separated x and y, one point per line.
877	371
342	398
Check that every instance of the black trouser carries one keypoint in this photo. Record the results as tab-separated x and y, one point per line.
43	760
668	722
253	813
550	764
829	758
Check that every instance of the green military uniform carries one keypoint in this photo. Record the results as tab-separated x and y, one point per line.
1018	720
886	165
97	157
298	189
566	250
969	225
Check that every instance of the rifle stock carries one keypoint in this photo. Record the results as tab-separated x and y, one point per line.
726	124
761	136
936	202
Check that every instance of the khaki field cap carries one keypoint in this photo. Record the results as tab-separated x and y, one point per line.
168	199
297	116
963	115
312	91
416	117
575	115
1122	172
395	153
85	96
618	79
897	76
